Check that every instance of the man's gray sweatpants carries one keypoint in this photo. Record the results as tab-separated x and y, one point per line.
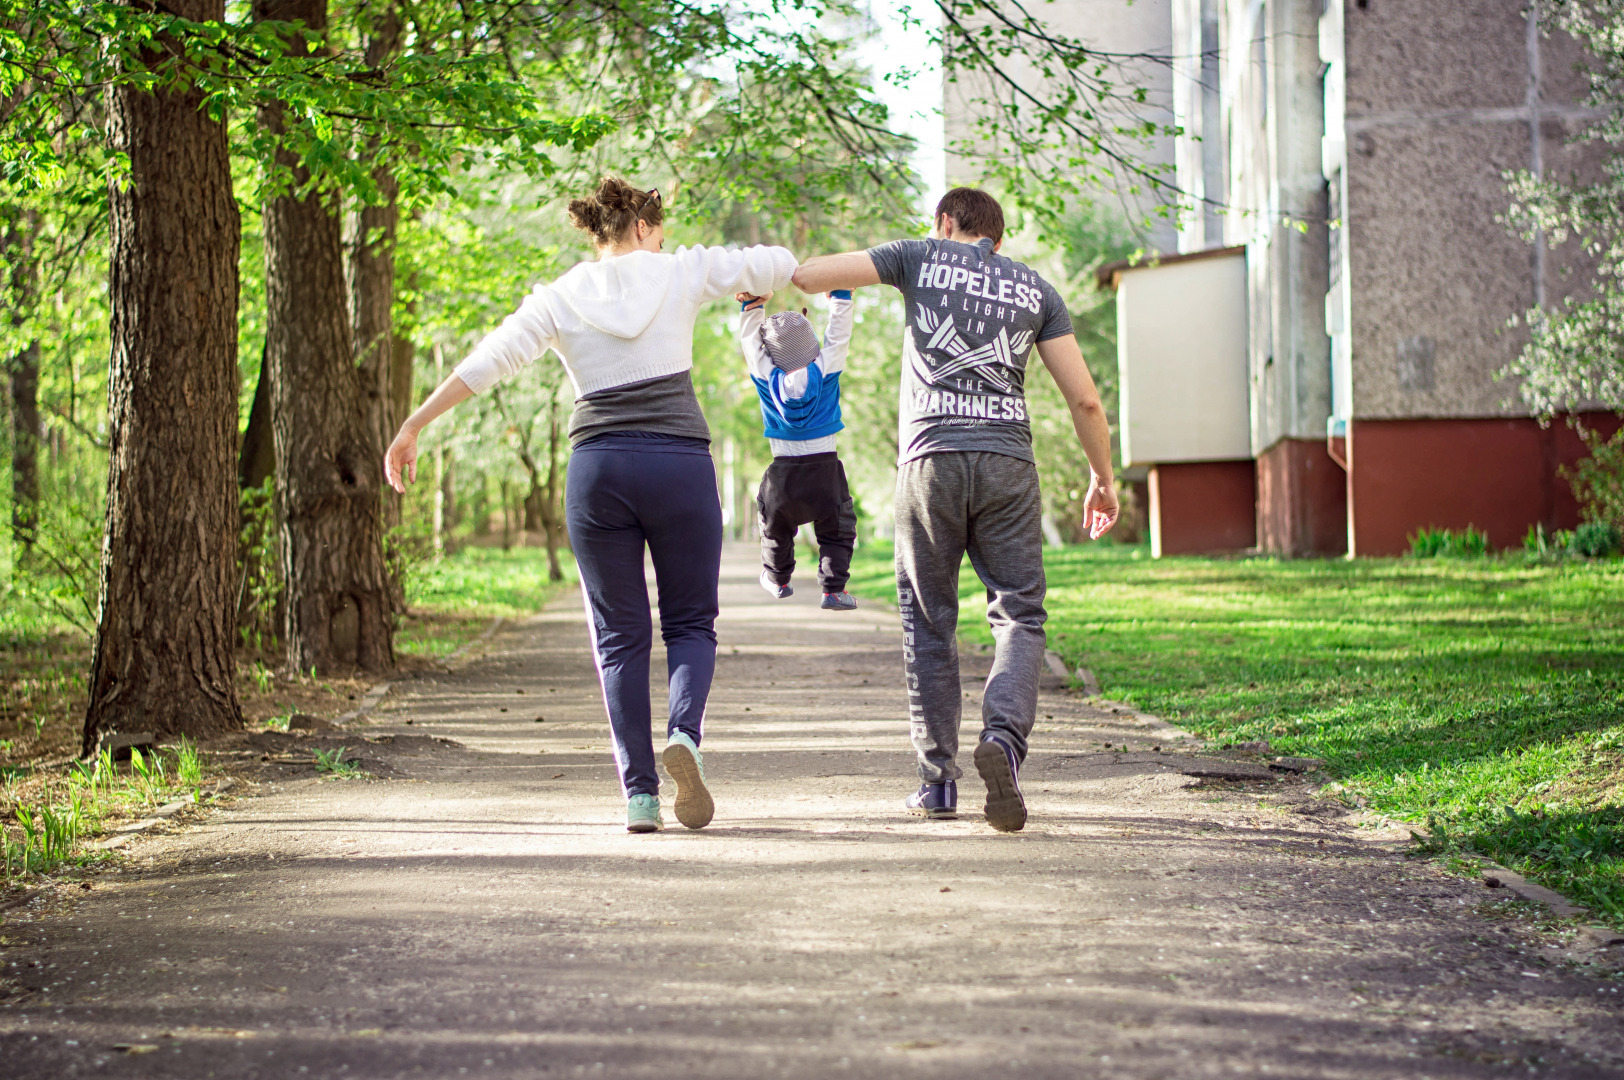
987	505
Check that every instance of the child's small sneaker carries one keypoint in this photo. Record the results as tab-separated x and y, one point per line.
781	592
643	814
839	601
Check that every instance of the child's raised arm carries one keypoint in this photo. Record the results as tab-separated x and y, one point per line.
837	333
752	313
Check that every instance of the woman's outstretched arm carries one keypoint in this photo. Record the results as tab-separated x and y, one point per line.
400	460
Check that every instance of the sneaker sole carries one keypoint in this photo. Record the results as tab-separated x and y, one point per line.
643	827
694	806
939	815
1006	809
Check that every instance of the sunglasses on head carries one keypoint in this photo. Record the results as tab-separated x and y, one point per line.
654	193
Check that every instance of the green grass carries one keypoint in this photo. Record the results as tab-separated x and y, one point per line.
45	813
453	599
1482	699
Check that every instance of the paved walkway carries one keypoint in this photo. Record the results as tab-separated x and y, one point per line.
481	912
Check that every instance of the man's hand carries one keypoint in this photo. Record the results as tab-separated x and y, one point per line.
400	461
750	300
1100	506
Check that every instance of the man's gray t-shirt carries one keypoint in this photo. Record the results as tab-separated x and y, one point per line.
972	319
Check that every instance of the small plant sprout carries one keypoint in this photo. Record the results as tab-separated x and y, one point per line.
332	761
188	766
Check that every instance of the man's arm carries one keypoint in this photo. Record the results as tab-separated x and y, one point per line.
849	270
1065	363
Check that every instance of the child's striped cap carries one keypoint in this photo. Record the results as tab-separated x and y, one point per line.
789	341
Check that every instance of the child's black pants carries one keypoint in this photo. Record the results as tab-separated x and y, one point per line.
798	490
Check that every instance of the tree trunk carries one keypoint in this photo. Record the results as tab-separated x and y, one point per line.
329	467
27	434
374	284
163	658
554	526
373	281
402	361
256	460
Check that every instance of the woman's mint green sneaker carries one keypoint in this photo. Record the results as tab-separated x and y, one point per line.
643	814
694	806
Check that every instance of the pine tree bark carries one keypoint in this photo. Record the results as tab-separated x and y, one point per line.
163	657
329	478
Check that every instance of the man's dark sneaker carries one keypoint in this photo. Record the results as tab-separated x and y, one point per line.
839	601
935	800
1000	770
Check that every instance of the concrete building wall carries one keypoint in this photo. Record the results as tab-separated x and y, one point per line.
1270	71
1143	28
1442	101
1199	152
1269	99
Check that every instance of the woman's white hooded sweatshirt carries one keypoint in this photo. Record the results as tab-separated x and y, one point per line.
624	318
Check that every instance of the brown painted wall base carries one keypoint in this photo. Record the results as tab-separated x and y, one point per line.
1302	500
1498	475
1198	508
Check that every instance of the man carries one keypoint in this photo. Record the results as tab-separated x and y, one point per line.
966	481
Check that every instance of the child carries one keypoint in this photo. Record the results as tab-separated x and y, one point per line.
799	385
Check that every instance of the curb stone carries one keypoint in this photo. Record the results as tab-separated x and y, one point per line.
1158	729
1493	874
484	636
1496	876
367	703
125	833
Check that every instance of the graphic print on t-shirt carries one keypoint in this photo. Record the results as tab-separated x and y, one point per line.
987	360
973	317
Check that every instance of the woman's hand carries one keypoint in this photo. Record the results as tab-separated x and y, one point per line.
1100	506
400	460
751	299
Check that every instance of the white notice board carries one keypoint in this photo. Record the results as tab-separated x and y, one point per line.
1181	352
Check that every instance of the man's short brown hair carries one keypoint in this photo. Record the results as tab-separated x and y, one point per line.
974	212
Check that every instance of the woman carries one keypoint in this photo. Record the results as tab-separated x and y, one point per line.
640	471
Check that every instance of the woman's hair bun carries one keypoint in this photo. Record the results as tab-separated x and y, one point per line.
610	211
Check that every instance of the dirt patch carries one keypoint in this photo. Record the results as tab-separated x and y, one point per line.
265	755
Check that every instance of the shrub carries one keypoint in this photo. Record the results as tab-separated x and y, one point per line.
1598	484
1595	539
